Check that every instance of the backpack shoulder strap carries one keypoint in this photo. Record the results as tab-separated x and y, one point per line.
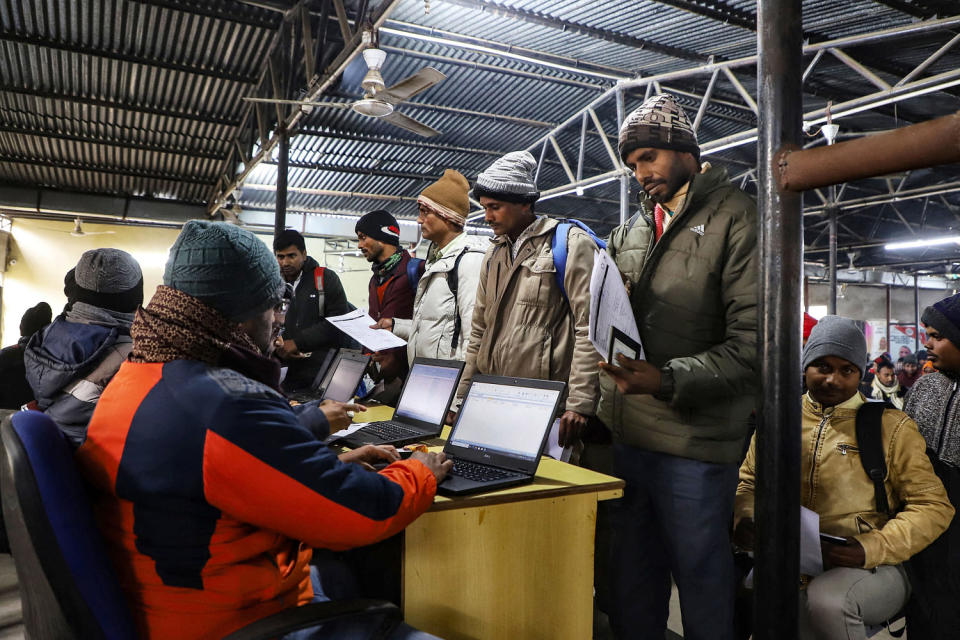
414	273
318	275
870	442
453	281
558	246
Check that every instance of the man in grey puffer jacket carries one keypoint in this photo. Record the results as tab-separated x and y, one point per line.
680	417
71	361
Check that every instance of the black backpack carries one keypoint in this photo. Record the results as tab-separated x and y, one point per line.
869	441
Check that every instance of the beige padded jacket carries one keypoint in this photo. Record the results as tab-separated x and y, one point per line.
523	326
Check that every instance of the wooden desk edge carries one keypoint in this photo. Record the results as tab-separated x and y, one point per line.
604	491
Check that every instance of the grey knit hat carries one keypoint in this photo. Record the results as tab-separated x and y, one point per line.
225	267
110	279
658	123
837	336
509	178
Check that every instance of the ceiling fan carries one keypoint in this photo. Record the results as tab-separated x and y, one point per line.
78	231
378	100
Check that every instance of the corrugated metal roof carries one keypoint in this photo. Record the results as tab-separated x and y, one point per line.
144	99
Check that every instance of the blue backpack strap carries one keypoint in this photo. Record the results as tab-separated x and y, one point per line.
414	272
558	246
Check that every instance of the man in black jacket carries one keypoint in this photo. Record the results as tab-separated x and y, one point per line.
15	391
317	294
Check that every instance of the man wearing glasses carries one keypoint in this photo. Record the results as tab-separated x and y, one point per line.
443	306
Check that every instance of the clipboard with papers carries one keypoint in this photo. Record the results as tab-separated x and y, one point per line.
610	308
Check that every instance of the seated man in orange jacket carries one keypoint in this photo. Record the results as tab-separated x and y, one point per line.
208	490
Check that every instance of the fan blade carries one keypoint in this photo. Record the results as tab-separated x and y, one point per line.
409	87
406	122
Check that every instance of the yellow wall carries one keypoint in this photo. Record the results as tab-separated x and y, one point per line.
44	251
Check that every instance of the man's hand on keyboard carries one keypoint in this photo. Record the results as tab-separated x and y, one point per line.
436	462
339	414
371	454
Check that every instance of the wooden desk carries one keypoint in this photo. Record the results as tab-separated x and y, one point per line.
513	564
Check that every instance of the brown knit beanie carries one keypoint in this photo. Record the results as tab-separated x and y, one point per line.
447	197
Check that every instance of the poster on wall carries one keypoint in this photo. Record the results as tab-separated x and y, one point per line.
901	339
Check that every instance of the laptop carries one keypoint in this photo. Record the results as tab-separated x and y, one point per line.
500	431
424	401
336	380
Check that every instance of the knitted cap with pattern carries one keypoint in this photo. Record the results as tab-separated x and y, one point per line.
225	267
944	316
658	123
448	197
510	178
110	279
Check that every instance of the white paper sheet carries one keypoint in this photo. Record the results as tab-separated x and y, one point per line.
356	324
356	426
609	304
811	560
552	448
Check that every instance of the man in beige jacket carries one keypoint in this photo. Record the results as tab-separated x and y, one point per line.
523	325
865	582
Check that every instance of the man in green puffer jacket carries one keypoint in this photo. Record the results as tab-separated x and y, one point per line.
680	417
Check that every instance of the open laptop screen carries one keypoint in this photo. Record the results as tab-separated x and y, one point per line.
346	377
505	419
425	391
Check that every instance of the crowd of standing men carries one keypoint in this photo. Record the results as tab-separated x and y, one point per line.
194	384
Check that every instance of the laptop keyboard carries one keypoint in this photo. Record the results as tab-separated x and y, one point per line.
479	472
390	430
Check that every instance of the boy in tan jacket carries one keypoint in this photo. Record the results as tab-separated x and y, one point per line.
864	582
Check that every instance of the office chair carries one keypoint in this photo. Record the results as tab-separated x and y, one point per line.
67	583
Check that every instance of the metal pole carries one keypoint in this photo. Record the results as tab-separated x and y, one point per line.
832	261
916	313
777	571
917	146
890	351
624	180
280	215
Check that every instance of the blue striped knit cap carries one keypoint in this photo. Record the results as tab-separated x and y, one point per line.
225	267
944	316
658	123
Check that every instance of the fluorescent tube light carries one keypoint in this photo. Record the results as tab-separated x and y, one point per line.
919	244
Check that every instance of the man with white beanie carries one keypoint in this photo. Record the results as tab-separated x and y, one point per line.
524	323
680	416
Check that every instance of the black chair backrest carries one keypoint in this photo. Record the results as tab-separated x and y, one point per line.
67	583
